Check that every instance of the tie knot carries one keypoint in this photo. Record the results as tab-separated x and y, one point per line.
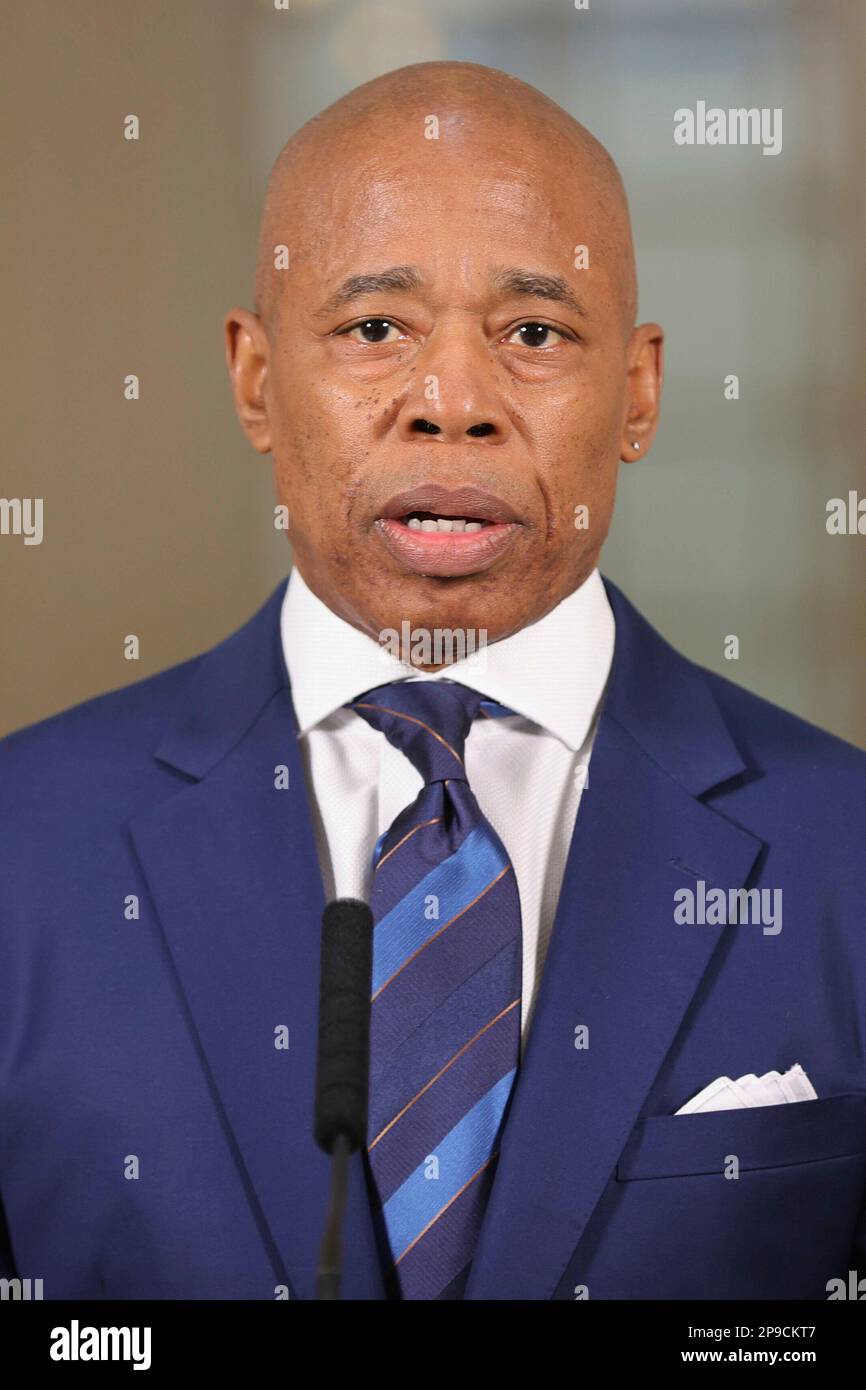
428	721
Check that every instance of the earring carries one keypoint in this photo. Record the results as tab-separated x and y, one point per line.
634	444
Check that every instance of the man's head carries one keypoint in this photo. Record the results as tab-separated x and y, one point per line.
442	346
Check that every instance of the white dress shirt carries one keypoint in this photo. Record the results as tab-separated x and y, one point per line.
527	770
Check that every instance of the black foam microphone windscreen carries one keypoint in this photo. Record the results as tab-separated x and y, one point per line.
342	1068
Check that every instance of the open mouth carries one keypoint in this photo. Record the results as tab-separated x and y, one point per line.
429	521
440	532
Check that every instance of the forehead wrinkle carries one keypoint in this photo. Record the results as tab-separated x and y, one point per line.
480	110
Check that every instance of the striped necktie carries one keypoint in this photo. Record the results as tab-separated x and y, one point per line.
445	1030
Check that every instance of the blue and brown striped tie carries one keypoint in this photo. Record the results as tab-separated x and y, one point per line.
445	1032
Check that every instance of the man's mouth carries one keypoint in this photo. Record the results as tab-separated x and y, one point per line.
428	521
447	532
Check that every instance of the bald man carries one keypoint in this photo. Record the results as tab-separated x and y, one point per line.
618	994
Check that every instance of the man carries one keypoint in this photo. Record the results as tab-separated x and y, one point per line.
565	955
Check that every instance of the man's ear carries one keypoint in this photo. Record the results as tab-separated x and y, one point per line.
247	358
645	358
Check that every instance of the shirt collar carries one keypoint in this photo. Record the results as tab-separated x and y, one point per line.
552	672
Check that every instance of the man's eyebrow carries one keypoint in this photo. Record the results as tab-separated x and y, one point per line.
534	284
406	278
396	277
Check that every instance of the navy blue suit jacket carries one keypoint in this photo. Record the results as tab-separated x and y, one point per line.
155	1143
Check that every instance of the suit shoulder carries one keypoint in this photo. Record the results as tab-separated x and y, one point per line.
99	762
801	768
114	728
773	733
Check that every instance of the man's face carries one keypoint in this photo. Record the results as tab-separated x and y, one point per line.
435	356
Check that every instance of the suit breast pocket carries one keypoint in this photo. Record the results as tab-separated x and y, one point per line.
767	1136
681	1219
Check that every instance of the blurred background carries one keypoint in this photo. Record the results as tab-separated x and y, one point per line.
122	257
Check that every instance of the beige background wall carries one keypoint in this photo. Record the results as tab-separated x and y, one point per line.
123	257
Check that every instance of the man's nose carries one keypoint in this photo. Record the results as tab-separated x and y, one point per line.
453	395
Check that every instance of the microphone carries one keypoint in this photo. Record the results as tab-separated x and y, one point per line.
342	1064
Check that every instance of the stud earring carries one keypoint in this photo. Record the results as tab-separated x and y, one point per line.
634	444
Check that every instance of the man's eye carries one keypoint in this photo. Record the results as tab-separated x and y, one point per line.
535	335
374	331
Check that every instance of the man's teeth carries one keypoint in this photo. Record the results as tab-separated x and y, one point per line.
442	523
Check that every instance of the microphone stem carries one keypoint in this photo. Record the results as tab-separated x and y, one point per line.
331	1249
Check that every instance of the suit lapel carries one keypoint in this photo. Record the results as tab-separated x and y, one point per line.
232	866
617	965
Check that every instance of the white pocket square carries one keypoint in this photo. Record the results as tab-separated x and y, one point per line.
773	1088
